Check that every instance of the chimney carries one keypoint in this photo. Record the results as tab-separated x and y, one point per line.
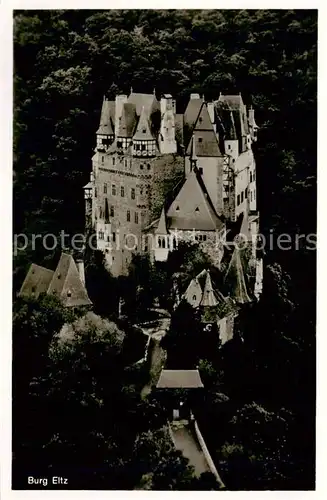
80	268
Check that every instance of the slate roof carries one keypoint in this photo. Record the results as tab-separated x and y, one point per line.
162	226
202	288
208	297
179	379
192	208
148	101
143	130
206	143
107	118
37	281
65	282
192	112
128	120
203	121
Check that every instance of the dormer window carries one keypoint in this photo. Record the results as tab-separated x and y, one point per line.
69	293
177	208
194	297
200	119
197	209
59	276
144	131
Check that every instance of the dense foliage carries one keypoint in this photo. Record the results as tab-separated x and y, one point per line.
256	389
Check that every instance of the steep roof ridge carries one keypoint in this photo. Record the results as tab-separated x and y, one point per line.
143	125
162	226
208	297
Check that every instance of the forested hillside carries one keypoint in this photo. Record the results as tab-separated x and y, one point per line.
65	61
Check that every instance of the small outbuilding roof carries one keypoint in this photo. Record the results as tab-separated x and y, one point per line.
179	379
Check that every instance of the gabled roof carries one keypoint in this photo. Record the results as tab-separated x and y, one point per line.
107	118
143	130
148	101
192	208
193	293
162	226
179	379
66	283
206	143
192	112
37	281
127	121
235	280
203	121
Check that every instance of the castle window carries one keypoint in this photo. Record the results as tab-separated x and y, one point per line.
159	242
174	243
133	194
136	218
250	176
253	175
242	196
143	147
144	131
101	235
200	139
197	209
177	208
125	163
200	119
128	215
113	160
204	237
122	191
95	192
141	167
148	166
251	196
119	144
200	169
105	188
113	190
238	200
163	243
229	146
112	211
69	293
102	159
137	147
194	297
254	194
113	237
141	191
33	289
246	193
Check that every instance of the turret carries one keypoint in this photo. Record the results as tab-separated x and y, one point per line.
119	103
144	143
253	127
167	138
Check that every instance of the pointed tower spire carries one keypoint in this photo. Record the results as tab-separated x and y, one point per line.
131	90
208	296
154	91
235	280
162	226
193	157
143	130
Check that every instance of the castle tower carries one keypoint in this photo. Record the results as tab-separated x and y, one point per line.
106	132
167	140
161	239
144	143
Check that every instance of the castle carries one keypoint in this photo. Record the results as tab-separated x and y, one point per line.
159	177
